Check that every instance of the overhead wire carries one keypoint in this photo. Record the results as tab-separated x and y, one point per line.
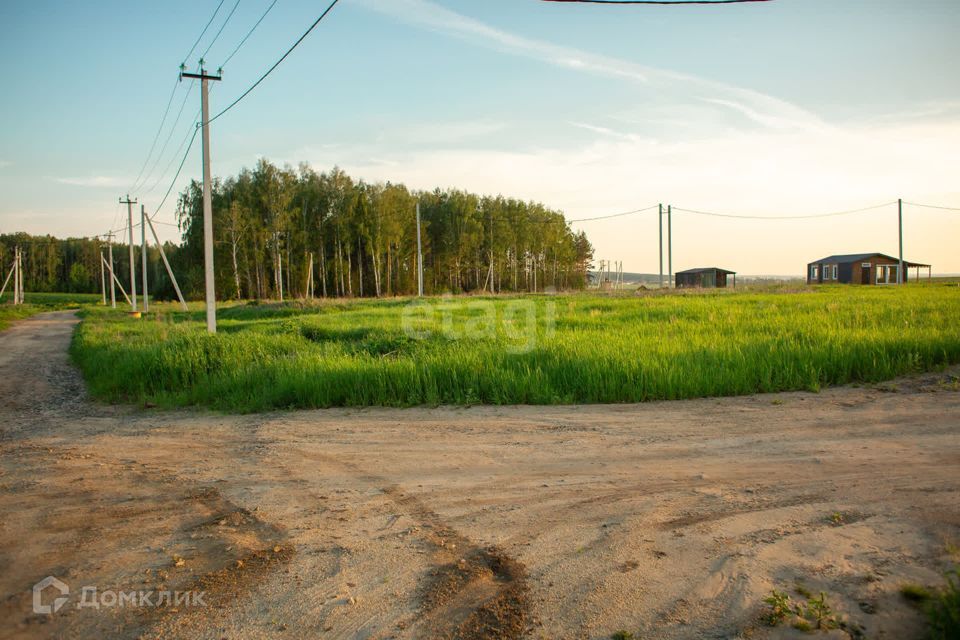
931	206
166	142
200	37
136	183
153	145
249	33
222	26
277	63
796	217
658	1
615	215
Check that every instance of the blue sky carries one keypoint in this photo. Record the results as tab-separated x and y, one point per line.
778	108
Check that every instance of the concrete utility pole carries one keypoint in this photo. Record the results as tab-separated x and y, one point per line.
133	265
17	276
204	79
660	220
143	255
419	256
900	278
103	281
113	287
6	280
669	246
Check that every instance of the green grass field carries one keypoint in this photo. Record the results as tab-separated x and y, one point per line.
39	302
538	350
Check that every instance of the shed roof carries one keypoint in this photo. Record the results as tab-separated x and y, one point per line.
704	270
846	258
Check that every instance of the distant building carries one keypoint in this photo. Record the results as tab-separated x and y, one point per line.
707	277
860	268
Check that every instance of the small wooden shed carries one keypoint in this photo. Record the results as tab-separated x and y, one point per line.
704	277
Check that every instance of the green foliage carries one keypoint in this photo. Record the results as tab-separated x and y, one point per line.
622	635
943	610
268	220
915	593
814	613
780	607
818	610
503	350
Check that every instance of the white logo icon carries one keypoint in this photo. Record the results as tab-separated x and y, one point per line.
38	606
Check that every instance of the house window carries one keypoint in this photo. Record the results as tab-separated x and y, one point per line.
880	274
814	272
834	272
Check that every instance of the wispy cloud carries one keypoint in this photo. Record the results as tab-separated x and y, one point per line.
760	108
95	181
5	163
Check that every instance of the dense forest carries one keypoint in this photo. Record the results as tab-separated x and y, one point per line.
271	223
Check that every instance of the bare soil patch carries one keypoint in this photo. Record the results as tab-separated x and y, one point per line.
669	520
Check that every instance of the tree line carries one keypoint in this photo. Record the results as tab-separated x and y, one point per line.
272	223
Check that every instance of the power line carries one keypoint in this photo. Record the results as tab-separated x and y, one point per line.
166	171
615	215
200	37
163	120
177	174
166	142
277	63
249	33
156	137
216	37
799	217
931	206
658	1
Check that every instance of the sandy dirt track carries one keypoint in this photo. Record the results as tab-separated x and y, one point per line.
669	520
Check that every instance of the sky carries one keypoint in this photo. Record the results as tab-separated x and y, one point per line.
788	107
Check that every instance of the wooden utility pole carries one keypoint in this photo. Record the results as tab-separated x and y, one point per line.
133	265
900	278
660	221
143	255
204	79
419	256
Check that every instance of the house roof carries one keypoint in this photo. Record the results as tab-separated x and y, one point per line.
859	257
704	270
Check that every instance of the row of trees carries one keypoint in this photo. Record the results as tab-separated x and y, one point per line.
72	265
271	224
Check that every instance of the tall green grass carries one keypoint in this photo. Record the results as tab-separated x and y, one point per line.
581	348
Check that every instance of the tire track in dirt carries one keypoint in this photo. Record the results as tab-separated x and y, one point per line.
474	592
209	543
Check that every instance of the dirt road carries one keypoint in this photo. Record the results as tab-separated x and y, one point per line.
668	520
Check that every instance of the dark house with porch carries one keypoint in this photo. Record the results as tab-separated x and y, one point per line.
707	277
861	268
